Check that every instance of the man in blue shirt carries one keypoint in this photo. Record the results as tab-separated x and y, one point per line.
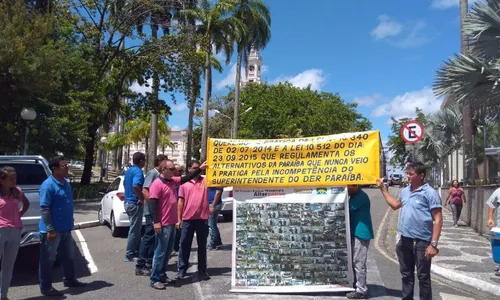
134	204
215	206
420	224
361	234
56	223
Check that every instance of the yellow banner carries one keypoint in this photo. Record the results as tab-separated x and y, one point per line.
341	159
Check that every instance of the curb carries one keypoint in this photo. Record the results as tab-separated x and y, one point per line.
470	281
87	200
444	275
87	224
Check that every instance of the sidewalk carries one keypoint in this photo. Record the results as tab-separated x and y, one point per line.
465	257
85	214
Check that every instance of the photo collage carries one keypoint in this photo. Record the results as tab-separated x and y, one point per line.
291	244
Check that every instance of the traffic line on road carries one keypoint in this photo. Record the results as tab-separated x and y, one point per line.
86	252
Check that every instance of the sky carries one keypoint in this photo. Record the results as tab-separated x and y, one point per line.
382	55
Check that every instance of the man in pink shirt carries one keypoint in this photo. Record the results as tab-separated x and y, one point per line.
192	214
163	200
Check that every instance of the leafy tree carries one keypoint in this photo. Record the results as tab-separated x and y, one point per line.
283	110
36	71
216	28
255	15
109	65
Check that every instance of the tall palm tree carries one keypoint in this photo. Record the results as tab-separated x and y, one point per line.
216	28
255	15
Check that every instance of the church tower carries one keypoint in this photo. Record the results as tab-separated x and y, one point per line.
253	70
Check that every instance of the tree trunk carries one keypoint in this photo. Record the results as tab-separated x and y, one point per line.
89	157
119	154
234	131
208	80
192	105
467	109
146	148
114	152
153	135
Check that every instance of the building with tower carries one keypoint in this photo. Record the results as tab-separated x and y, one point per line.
253	72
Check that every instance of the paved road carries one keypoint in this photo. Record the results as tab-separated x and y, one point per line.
100	263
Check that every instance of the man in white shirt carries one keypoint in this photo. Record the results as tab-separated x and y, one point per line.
493	203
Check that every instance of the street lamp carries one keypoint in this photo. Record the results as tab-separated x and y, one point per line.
104	141
27	114
231	119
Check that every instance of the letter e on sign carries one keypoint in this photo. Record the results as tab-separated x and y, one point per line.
412	132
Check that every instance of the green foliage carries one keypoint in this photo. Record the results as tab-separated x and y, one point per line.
35	71
281	110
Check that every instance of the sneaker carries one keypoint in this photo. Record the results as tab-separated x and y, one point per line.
456	225
355	295
180	275
143	272
130	259
210	248
203	275
158	285
497	273
168	281
52	292
74	283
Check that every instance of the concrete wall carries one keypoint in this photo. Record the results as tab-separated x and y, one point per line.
475	212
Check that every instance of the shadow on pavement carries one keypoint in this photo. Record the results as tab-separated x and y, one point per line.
26	266
92	286
85	208
375	290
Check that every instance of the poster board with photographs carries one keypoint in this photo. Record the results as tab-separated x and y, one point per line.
291	240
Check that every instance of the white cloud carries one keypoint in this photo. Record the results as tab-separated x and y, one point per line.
367	100
314	77
404	105
445	4
142	89
264	69
175	128
387	27
416	37
403	36
229	79
179	107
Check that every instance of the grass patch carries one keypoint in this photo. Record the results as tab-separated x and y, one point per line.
90	191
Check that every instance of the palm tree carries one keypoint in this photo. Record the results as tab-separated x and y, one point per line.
139	130
216	28
255	15
470	78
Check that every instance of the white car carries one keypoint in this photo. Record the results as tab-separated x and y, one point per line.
112	209
227	204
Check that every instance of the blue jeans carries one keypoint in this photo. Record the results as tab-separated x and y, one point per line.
147	247
9	245
163	249
189	227
64	246
134	212
215	239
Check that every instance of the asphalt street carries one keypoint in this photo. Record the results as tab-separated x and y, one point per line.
99	262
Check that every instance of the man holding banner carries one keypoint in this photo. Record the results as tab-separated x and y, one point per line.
361	234
420	226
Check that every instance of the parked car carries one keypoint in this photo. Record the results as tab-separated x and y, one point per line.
227	204
31	172
112	210
396	179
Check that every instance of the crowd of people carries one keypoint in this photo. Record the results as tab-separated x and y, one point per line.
176	207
